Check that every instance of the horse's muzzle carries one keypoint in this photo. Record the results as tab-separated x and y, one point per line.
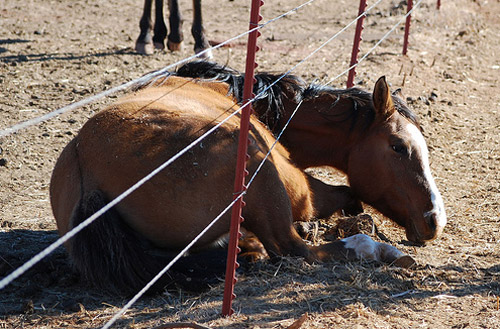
431	228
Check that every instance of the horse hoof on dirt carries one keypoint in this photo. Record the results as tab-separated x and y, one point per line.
174	46
252	257
144	48
307	230
159	45
201	53
404	262
252	250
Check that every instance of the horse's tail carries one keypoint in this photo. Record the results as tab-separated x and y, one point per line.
112	256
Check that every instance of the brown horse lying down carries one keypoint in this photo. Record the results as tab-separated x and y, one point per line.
373	138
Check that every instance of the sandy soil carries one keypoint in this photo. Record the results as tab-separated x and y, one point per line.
56	52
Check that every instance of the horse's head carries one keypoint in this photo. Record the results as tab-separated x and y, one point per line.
389	169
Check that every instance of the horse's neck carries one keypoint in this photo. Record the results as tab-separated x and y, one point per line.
311	147
309	196
307	150
314	139
311	138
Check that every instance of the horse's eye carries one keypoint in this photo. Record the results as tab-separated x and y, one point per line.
400	149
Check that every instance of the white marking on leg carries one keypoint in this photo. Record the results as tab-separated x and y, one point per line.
367	249
436	199
363	246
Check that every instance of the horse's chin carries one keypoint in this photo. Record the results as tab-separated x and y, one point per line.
417	237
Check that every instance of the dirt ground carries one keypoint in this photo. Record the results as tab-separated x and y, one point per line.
54	52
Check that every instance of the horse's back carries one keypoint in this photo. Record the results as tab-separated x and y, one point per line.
179	95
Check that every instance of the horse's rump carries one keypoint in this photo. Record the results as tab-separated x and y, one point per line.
114	257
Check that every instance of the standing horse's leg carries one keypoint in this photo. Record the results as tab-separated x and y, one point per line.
144	43
175	36
160	27
200	41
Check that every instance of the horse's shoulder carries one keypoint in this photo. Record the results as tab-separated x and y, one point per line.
265	139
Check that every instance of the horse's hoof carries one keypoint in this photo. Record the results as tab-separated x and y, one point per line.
201	54
174	46
307	230
159	45
144	48
404	262
253	257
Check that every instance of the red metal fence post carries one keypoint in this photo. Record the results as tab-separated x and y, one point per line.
241	172
355	46
407	27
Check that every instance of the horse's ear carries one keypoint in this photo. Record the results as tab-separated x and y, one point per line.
382	99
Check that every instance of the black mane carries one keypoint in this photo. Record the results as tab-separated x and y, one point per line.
269	104
269	95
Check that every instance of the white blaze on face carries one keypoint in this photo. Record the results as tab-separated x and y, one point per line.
437	200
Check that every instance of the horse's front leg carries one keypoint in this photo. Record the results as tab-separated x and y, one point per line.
160	28
175	37
273	227
200	41
144	43
279	237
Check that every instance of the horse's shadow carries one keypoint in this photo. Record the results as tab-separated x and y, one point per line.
287	287
12	41
271	298
41	57
9	42
50	282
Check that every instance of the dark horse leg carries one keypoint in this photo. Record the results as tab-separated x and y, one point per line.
145	41
160	29
200	41
175	37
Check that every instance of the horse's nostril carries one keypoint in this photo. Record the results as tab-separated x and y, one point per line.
432	220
